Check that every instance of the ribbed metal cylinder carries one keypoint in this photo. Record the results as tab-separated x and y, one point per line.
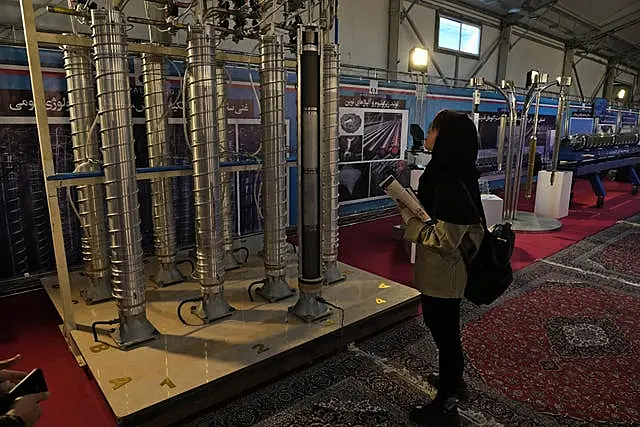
86	154
11	186
329	164
155	108
225	177
274	155
116	130
40	217
201	99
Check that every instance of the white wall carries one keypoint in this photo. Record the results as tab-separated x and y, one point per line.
590	73
528	55
363	31
488	70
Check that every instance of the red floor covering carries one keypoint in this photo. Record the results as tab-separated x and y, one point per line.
29	323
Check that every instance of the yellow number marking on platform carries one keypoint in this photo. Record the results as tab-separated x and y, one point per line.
260	348
167	381
329	322
380	301
98	348
120	382
347	272
383	286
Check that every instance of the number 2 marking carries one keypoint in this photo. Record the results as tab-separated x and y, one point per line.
98	348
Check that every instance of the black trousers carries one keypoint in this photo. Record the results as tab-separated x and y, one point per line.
442	317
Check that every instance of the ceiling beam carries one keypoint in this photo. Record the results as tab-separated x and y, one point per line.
623	13
615	29
535	5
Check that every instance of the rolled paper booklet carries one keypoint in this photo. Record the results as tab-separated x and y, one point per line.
404	197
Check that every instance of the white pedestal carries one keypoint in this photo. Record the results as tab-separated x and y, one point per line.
398	234
415	178
492	205
552	201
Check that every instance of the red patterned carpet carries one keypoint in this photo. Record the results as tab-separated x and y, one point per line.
620	257
565	350
611	253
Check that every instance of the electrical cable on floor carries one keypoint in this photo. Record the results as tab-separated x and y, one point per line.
257	282
102	322
179	310
190	262
341	310
246	250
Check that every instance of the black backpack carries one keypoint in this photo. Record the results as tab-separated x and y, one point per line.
489	273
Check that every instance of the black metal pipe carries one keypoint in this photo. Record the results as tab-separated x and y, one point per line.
310	250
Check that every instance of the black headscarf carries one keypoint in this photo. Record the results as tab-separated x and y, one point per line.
449	189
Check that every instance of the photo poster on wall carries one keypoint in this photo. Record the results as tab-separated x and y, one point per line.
490	124
372	138
629	121
245	143
607	121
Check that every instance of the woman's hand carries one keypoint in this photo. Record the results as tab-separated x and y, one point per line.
9	378
27	408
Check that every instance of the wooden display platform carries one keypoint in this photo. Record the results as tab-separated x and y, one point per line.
191	368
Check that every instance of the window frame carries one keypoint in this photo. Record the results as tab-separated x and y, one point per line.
462	21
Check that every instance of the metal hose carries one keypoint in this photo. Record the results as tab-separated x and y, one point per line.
329	165
164	231
116	129
86	154
226	177
203	134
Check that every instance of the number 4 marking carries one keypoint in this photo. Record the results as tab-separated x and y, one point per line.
167	381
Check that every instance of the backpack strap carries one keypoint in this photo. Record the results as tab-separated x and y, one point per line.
481	216
483	222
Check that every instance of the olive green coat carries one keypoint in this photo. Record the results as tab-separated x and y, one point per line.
440	270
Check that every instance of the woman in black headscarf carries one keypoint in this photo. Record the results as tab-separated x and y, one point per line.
450	194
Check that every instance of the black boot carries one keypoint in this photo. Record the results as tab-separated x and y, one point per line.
462	392
437	413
